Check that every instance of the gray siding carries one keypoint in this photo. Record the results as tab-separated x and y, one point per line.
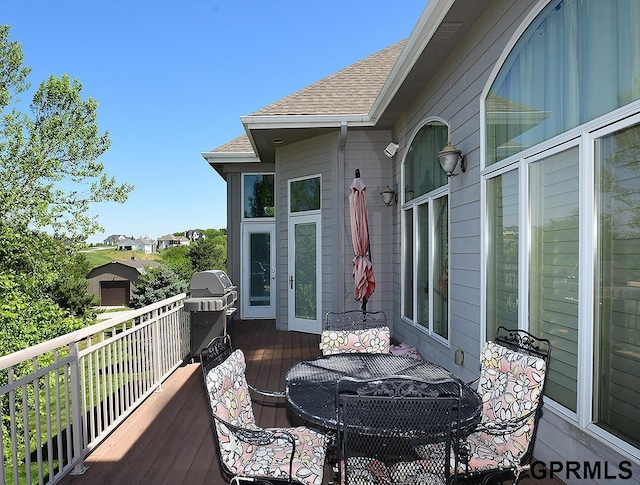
453	94
364	151
302	159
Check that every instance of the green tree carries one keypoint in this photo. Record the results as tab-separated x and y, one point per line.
49	180
177	259
208	254
49	173
157	284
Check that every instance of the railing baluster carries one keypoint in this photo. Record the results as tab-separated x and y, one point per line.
85	383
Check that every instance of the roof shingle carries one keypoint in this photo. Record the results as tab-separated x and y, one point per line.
351	90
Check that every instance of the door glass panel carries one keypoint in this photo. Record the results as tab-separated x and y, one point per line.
260	257
305	271
617	305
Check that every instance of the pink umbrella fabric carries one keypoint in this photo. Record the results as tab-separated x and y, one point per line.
364	280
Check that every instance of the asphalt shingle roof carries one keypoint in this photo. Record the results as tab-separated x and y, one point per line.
351	90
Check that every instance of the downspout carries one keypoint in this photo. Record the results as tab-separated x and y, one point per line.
340	256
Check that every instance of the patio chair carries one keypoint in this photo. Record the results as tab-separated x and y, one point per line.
216	352
252	454
512	377
381	423
355	331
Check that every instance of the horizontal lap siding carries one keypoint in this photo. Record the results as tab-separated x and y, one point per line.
364	151
453	95
303	159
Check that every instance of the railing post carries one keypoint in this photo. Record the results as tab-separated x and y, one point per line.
157	353
76	410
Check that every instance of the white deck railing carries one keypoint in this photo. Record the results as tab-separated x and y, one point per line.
60	398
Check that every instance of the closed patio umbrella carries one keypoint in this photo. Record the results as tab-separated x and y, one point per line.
364	280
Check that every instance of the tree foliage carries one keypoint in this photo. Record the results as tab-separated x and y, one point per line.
49	173
177	259
209	253
50	178
157	284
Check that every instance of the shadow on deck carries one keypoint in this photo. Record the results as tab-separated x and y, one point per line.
168	439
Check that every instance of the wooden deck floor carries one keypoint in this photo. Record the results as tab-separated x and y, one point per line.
168	439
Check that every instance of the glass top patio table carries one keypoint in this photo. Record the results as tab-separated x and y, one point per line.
311	384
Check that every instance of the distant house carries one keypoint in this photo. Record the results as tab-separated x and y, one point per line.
114	239
171	241
194	235
144	244
114	282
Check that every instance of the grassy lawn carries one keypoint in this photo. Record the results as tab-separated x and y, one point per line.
98	257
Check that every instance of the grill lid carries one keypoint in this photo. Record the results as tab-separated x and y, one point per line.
210	283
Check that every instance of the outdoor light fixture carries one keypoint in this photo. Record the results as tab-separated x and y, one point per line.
391	150
448	159
389	195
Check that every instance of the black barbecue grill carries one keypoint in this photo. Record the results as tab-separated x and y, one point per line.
212	304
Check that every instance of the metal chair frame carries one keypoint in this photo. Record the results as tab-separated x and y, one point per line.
354	320
214	354
387	419
522	342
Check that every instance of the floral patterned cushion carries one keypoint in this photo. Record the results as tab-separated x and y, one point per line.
370	340
229	393
510	386
230	401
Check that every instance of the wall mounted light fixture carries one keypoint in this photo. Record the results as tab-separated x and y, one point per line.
448	159
391	149
389	195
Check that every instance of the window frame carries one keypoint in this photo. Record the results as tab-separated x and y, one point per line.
244	217
413	205
583	137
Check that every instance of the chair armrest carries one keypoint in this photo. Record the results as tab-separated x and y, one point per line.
267	392
258	436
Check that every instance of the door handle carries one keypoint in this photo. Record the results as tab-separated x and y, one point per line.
291	282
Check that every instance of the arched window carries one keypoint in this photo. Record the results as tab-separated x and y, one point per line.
425	215
578	60
563	237
422	172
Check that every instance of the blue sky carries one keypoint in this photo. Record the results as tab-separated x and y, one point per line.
172	79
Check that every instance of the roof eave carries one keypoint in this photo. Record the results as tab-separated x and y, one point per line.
230	157
262	122
429	21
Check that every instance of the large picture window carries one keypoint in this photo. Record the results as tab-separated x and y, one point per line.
426	232
617	307
579	59
563	222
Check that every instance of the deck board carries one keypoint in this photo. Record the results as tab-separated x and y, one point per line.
168	439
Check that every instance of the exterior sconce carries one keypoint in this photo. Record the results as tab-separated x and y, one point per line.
448	159
389	195
391	149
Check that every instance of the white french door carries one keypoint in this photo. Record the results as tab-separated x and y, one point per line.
304	274
258	272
